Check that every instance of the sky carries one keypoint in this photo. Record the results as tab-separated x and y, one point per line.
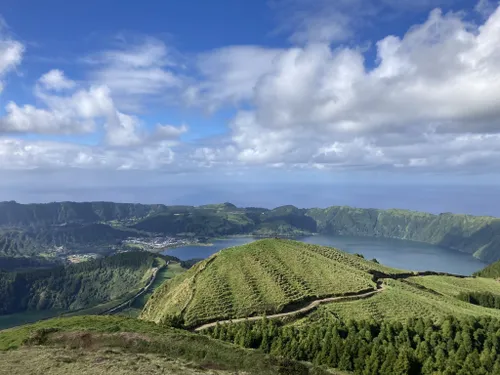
202	100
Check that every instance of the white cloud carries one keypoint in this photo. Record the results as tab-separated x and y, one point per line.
431	102
11	53
21	154
56	80
135	71
78	112
29	119
163	132
229	75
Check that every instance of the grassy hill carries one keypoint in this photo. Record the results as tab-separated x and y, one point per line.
264	276
491	271
76	286
433	297
276	275
122	346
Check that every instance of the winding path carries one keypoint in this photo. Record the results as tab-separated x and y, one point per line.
377	278
141	291
304	310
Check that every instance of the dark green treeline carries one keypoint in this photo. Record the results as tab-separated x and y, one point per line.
466	346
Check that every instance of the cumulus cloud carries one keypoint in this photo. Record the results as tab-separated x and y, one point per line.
80	111
56	80
229	75
431	101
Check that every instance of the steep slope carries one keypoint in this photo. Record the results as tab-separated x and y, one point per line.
266	276
123	346
42	214
491	271
75	286
476	235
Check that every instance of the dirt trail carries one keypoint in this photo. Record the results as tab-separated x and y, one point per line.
137	295
313	305
377	278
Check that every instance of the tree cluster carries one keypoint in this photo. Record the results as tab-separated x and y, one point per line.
467	346
75	286
484	299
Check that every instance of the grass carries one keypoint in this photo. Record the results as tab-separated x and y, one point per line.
12	320
262	277
404	299
118	345
452	286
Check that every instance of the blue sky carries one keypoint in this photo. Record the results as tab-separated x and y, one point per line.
248	92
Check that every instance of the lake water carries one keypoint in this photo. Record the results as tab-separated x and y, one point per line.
408	255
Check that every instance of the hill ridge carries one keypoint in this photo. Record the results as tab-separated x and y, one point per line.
476	235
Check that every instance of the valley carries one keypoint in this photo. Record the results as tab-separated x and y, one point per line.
333	291
69	228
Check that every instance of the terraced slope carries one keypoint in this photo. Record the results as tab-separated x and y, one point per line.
432	297
267	276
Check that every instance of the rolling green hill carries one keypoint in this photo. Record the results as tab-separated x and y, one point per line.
74	287
264	276
282	276
123	346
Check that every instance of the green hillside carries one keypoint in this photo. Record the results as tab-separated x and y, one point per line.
26	228
472	234
264	276
73	287
403	299
123	346
491	271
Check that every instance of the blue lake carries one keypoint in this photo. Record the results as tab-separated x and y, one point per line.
408	255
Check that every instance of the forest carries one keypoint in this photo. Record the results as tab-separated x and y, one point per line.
76	286
453	346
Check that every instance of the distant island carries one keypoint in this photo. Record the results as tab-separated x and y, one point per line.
64	229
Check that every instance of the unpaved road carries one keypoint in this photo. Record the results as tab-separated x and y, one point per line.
137	295
313	305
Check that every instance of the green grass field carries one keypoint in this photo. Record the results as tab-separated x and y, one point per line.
452	286
264	276
117	345
403	299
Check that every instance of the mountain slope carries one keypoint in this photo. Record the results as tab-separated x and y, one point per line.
476	235
490	271
74	286
265	276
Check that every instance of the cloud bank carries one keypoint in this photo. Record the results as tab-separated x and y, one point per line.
429	102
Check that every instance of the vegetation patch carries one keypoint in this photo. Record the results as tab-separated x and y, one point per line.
121	345
76	286
419	346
